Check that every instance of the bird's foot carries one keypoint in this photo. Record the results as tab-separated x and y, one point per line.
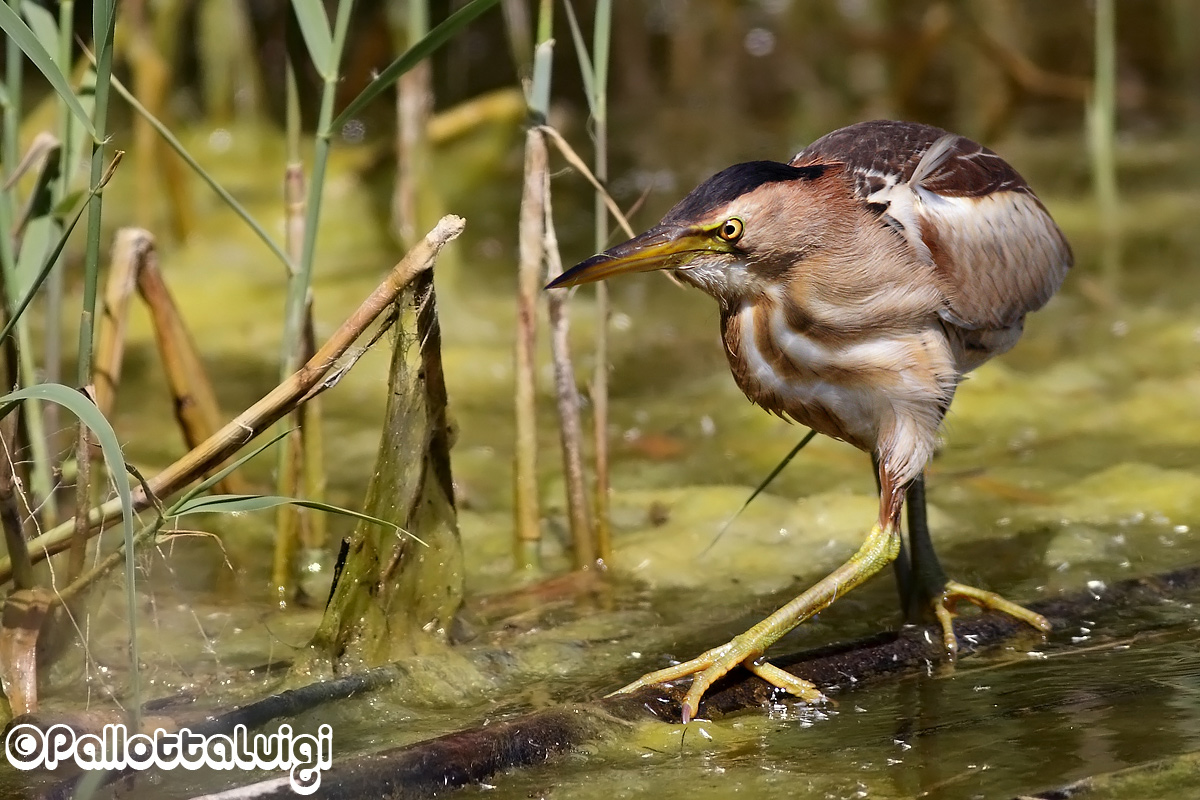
708	668
953	593
747	649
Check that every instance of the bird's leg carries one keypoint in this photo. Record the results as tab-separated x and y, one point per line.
881	547
928	578
931	588
902	567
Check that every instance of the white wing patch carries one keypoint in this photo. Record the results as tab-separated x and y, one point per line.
1002	248
902	199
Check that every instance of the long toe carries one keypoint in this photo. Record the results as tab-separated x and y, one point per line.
773	675
955	592
711	666
768	672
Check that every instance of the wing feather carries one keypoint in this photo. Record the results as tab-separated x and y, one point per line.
995	250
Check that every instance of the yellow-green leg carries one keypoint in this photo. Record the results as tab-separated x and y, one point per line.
877	552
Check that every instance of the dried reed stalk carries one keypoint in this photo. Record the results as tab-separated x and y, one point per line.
526	512
134	264
571	427
311	379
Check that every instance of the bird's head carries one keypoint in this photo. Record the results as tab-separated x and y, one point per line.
736	234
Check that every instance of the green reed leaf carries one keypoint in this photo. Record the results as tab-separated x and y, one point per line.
314	27
19	34
413	56
243	503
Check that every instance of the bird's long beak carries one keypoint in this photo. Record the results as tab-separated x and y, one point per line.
658	248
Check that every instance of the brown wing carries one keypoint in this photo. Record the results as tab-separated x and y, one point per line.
997	253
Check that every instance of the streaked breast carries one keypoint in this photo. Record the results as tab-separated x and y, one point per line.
848	390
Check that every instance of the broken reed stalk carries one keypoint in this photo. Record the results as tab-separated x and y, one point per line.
570	424
603	544
24	614
390	597
127	248
600	52
196	407
297	388
134	265
531	247
526	512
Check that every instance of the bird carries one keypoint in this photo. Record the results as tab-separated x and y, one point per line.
858	284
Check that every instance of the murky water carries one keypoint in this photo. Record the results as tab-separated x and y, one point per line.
1072	459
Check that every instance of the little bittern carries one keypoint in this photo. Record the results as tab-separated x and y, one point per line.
858	284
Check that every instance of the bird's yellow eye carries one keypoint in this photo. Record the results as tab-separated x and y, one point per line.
731	230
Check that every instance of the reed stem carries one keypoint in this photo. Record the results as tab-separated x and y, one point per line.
55	285
32	430
527	515
299	310
288	470
105	20
1103	130
571	427
300	286
531	246
600	56
10	517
